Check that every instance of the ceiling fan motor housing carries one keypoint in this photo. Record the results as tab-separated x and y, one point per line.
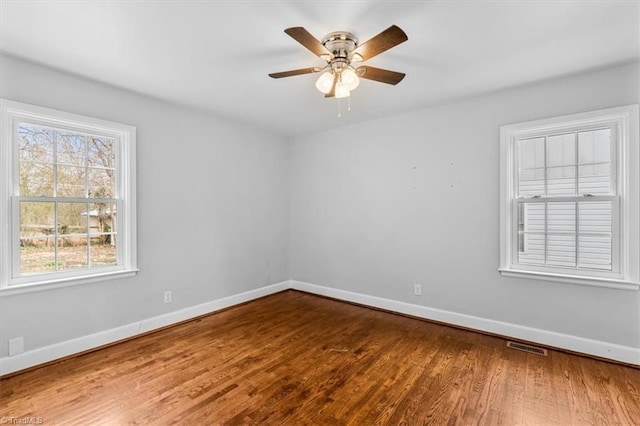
340	44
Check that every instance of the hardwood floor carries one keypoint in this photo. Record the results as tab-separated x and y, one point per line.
296	358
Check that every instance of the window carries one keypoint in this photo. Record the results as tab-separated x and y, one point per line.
68	191
569	199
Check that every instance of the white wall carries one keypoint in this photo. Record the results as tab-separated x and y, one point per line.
414	199
372	209
213	216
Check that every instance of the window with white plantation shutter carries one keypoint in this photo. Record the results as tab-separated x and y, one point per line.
569	202
565	196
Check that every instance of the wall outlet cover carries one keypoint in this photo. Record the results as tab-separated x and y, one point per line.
16	346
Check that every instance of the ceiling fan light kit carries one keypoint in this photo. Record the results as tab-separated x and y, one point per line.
341	51
325	82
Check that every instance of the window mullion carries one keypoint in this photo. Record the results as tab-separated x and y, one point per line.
577	203
546	204
577	230
86	167
55	164
88	236
546	170
55	235
615	148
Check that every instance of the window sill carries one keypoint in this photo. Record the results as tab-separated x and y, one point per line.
18	289
572	279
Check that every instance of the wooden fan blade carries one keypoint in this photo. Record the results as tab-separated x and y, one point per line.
294	72
303	37
387	39
379	74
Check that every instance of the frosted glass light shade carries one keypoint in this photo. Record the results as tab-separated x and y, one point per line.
341	90
325	82
350	79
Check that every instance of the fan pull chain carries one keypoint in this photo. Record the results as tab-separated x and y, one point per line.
340	106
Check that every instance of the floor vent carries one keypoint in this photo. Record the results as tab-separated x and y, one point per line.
527	348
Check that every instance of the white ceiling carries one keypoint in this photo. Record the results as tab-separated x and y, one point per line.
215	55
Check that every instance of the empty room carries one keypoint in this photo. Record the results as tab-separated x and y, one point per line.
319	212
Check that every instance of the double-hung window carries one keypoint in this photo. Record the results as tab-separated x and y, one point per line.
68	198
569	198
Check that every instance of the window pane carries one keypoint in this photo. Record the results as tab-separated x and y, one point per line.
71	149
35	143
36	219
36	179
594	242
71	181
101	152
531	182
594	179
37	242
37	255
72	218
594	252
72	252
534	217
594	146
561	181
102	227
561	157
561	250
101	183
103	250
102	218
594	151
531	217
533	252
595	217
531	167
561	150
561	217
531	153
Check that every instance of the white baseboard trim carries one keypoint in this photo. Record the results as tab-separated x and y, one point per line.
60	350
597	348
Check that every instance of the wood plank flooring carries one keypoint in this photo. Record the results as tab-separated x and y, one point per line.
295	358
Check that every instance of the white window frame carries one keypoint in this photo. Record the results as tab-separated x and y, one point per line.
11	282
626	215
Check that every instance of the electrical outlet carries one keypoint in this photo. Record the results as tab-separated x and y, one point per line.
168	297
417	289
16	346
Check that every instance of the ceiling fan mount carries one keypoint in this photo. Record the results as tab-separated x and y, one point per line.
340	44
340	49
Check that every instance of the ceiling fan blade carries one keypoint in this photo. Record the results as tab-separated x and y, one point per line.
303	37
294	72
387	39
379	74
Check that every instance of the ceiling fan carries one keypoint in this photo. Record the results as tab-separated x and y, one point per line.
343	54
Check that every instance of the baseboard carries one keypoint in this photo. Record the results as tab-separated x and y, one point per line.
596	348
70	347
